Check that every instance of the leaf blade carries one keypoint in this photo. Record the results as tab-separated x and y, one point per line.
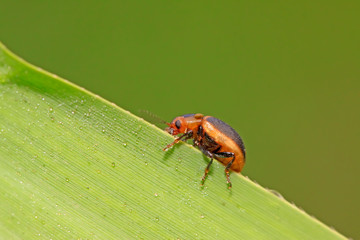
76	166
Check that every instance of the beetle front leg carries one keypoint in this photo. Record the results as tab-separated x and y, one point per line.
183	137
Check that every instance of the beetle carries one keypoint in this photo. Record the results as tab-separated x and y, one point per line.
213	137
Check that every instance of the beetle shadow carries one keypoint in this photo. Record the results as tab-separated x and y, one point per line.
169	152
206	161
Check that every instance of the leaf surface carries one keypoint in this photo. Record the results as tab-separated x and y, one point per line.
75	166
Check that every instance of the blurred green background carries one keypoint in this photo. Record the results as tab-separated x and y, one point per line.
284	74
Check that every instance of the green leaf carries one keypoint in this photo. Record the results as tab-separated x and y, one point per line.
75	166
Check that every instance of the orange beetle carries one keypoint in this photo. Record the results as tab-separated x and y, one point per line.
213	137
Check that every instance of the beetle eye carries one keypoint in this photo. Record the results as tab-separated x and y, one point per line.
178	124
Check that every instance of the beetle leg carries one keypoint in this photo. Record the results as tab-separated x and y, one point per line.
227	172
183	137
206	172
211	156
227	155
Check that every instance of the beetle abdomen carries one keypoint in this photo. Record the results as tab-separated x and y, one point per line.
228	131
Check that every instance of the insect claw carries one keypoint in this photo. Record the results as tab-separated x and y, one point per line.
168	147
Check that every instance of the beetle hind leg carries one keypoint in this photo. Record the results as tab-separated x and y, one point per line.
227	168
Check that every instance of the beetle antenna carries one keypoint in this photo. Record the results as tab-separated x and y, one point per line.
151	117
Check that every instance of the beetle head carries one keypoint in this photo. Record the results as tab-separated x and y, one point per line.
177	126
